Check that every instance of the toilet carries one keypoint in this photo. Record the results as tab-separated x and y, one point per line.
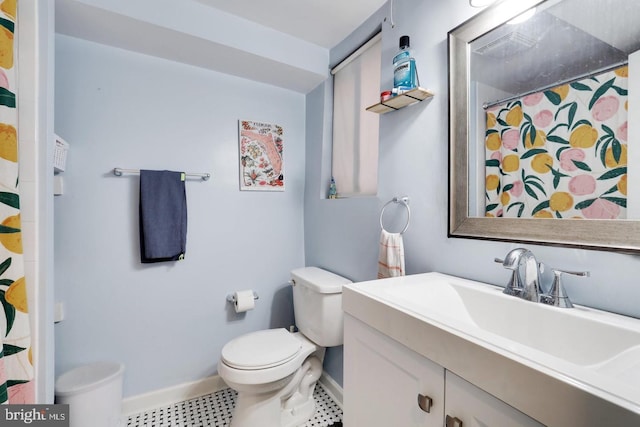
275	371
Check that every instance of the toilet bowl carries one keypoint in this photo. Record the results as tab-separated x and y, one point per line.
270	387
275	371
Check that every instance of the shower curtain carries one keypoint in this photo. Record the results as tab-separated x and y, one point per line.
16	370
560	153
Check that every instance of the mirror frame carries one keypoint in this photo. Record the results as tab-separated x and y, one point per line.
612	235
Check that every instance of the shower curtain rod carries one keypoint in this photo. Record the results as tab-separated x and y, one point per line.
120	171
560	83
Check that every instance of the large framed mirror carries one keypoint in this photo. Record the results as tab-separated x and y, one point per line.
544	135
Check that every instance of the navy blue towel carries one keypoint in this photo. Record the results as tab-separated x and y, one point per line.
163	216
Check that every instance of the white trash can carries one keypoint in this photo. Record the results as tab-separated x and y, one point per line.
93	393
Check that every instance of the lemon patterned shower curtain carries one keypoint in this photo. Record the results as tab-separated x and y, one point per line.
16	370
560	153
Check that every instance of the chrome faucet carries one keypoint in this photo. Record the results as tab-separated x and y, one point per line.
528	286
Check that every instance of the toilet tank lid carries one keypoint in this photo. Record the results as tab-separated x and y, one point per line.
319	280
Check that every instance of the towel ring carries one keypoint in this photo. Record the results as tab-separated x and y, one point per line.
403	201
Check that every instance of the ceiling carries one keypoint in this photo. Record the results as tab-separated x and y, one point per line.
325	23
565	40
285	43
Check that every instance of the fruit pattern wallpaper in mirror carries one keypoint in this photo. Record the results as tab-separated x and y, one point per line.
560	153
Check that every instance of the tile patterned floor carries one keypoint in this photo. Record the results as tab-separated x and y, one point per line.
214	410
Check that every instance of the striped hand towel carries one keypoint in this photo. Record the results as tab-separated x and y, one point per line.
391	258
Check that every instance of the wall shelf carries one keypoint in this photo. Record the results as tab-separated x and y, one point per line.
400	101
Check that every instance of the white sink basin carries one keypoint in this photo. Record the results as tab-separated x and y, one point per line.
591	350
578	335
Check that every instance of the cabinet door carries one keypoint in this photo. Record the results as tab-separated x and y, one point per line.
469	406
383	382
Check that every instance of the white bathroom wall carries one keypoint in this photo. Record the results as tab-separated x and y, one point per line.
167	322
342	235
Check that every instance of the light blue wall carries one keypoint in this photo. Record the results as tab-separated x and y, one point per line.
342	235
167	322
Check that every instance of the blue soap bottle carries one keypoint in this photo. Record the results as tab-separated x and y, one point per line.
333	192
405	75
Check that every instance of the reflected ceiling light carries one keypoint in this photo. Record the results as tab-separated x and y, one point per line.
523	16
480	3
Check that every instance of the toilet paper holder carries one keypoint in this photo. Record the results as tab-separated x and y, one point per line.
232	298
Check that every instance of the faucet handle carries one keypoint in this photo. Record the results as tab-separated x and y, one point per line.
574	273
557	295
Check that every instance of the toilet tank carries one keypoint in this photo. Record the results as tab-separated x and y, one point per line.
317	305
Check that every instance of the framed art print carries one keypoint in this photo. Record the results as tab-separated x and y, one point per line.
261	156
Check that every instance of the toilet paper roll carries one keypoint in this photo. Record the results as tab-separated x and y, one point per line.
243	301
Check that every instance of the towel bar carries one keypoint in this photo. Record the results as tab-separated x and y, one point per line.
119	171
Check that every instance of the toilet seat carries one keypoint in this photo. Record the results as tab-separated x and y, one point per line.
261	350
254	376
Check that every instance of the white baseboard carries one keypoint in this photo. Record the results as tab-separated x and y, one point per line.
170	395
181	392
331	387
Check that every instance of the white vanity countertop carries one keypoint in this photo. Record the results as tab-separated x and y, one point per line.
563	367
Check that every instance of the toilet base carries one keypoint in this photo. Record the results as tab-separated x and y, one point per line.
299	415
287	407
256	410
299	406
